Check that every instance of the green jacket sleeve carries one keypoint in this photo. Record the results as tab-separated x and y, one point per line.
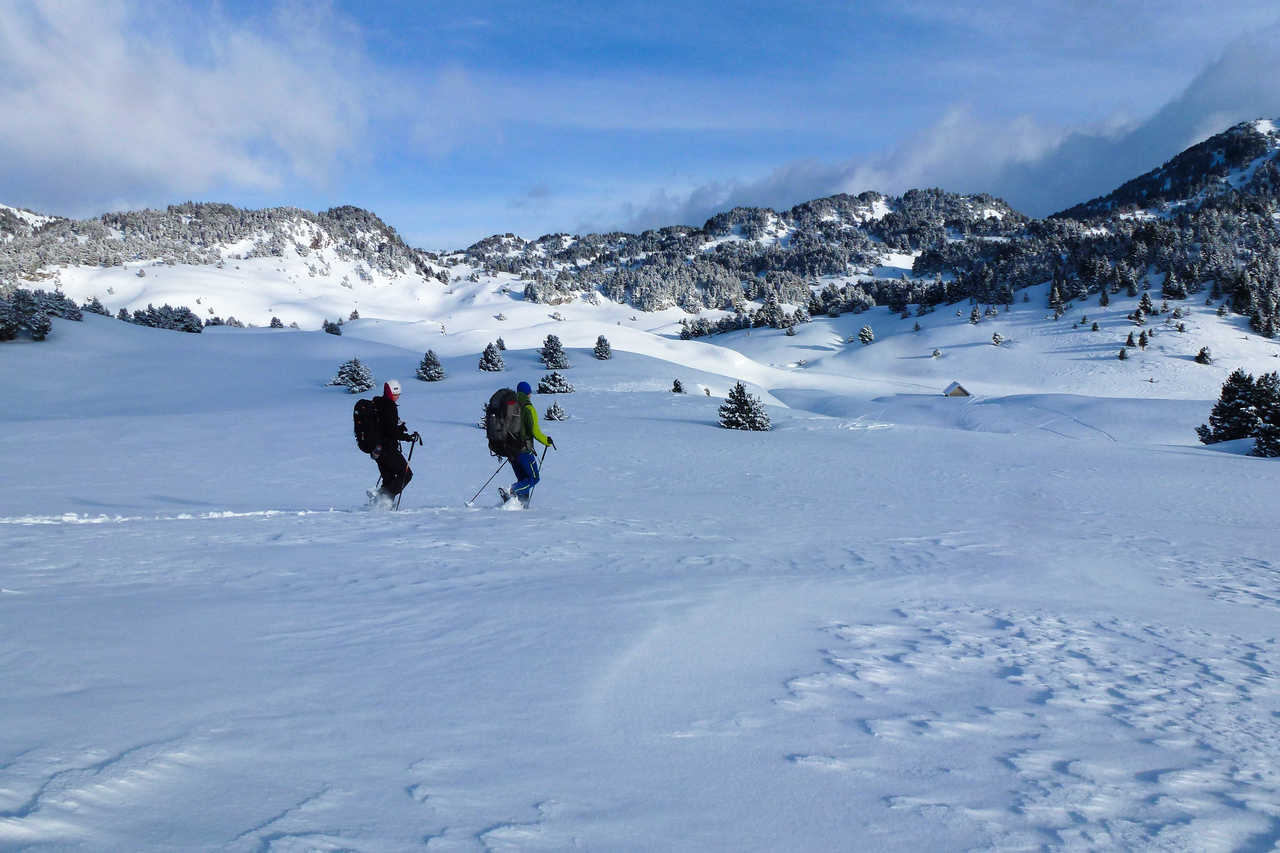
531	424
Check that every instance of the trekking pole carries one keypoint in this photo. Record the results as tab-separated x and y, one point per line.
486	483
412	445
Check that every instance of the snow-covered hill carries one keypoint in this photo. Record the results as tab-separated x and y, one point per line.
1040	617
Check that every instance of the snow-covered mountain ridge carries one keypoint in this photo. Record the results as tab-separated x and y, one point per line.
1244	158
1216	230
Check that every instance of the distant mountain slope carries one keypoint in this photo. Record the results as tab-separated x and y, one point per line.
1243	158
1207	221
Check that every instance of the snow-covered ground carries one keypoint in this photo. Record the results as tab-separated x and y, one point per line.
1043	617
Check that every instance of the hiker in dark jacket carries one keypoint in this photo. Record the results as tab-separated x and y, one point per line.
525	463
392	465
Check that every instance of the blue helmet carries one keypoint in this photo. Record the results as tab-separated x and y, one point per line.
523	388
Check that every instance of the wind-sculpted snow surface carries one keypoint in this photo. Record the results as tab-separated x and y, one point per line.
1028	620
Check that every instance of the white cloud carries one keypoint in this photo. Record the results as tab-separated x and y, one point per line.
1038	168
99	104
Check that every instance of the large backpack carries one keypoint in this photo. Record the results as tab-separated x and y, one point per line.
504	423
367	424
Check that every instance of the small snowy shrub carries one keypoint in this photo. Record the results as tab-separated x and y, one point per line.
331	328
555	412
997	339
677	387
866	335
603	351
554	383
743	411
276	324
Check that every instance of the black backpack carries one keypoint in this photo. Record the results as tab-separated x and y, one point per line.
504	423
367	424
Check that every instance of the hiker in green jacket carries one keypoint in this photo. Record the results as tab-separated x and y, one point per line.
525	462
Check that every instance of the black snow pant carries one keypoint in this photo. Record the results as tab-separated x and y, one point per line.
394	469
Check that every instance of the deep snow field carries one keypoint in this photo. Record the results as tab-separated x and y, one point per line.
1043	617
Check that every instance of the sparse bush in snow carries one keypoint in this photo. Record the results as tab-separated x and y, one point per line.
866	335
555	412
331	328
743	411
677	387
1204	356
997	339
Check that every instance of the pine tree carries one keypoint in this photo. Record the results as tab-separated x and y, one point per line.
677	387
1145	304
603	351
491	359
554	383
1233	416
501	344
430	369
1142	340
1266	401
866	335
355	315
916	328
1094	327
997	339
355	375
556	413
552	354
1103	299
331	328
743	411
1204	356
1129	341
9	321
1124	354
94	306
276	324
975	316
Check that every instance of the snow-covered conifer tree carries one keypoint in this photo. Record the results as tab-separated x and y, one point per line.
866	335
555	412
1204	356
997	339
491	359
276	324
1266	401
603	351
552	354
677	387
331	328
743	411
554	383
501	345
430	369
1234	415
355	375
95	306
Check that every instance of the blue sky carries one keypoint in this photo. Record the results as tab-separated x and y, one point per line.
456	120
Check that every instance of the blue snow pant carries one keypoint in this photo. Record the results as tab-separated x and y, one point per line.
525	466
